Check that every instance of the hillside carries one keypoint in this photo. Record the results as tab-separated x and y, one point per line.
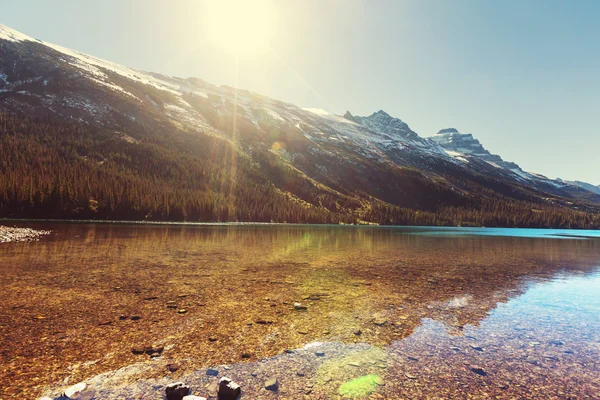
85	138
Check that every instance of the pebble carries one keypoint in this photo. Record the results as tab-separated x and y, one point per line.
172	367
212	372
300	307
135	318
154	350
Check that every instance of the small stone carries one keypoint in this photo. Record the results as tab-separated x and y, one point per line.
182	311
172	306
320	353
154	350
263	322
303	331
411	358
476	347
314	297
556	342
212	339
478	370
123	317
228	390
357	332
177	391
272	384
326	332
172	367
380	321
300	307
138	350
212	372
354	364
409	376
150	298
104	323
246	355
135	318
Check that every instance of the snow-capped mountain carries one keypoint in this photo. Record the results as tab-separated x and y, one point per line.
584	185
347	159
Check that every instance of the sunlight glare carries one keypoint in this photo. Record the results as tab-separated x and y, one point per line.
240	27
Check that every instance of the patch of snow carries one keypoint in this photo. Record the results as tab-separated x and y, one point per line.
318	111
274	115
11	35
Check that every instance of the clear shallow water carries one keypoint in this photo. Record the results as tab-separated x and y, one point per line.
395	312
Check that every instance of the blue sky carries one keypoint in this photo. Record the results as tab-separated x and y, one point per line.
522	76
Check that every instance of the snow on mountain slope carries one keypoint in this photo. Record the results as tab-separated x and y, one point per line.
584	185
195	105
464	145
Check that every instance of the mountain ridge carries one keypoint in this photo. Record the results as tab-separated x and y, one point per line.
336	168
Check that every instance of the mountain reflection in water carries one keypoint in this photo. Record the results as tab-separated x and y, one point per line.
394	312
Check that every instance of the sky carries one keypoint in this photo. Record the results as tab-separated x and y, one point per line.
523	76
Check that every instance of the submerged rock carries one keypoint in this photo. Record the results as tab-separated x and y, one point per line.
478	370
172	367
300	307
272	384
75	390
177	391
228	389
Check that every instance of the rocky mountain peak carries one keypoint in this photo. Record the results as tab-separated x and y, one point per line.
349	116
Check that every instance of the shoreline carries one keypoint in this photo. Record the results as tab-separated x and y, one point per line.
248	223
14	234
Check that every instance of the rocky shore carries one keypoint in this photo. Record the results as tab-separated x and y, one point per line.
14	234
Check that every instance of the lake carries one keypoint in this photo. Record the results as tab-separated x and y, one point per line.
326	311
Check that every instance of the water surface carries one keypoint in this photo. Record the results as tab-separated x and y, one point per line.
391	312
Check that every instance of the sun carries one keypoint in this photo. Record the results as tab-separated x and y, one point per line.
240	27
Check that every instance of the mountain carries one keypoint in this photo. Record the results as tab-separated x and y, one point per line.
82	137
584	185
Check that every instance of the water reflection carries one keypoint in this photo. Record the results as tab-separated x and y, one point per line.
378	298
